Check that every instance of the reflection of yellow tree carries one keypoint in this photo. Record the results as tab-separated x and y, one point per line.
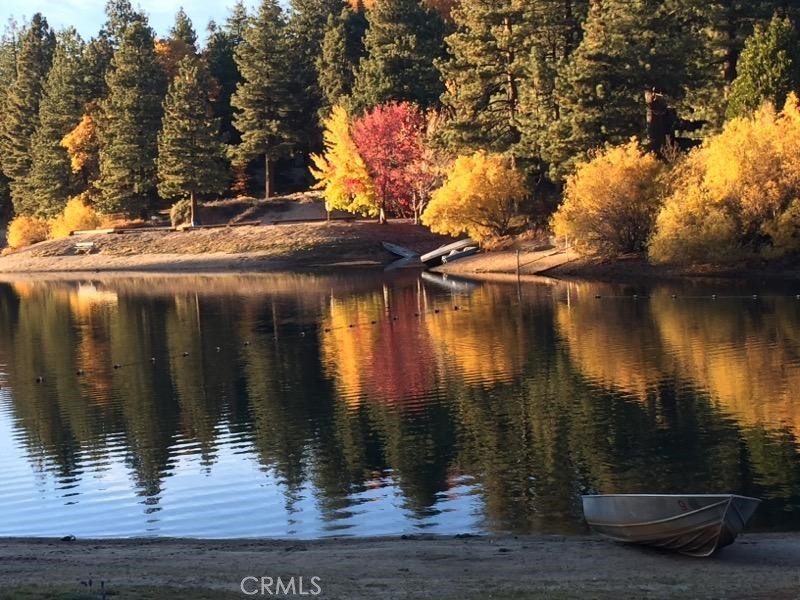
613	343
747	360
371	355
483	341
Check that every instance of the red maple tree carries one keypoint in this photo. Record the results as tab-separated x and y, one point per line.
390	140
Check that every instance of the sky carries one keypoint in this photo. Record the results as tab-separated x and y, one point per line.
87	16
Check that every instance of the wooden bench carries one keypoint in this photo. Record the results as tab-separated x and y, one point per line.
85	247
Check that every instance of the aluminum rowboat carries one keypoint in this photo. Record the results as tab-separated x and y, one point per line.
695	525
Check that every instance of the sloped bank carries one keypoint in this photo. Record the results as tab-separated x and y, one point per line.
289	246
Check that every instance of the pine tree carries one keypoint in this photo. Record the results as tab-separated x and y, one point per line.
22	107
263	102
342	49
9	48
183	30
306	31
120	15
97	59
181	42
629	46
51	182
130	126
220	55
402	43
723	26
768	69
190	155
486	74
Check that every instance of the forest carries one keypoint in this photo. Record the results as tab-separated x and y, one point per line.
665	126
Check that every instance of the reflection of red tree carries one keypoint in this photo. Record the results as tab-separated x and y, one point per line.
375	357
402	368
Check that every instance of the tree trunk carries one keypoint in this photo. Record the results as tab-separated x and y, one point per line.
194	221
268	191
382	217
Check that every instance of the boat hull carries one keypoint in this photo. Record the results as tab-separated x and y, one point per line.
695	525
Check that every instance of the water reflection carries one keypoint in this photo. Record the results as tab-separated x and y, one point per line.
309	405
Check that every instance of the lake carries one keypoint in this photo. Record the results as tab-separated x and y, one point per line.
363	404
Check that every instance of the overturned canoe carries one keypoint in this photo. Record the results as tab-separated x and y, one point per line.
696	525
435	258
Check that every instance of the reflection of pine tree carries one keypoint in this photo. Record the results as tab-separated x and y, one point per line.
137	331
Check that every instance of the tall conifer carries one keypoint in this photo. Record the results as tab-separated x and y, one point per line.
306	31
9	48
768	69
22	108
51	181
342	49
403	41
263	101
130	126
220	56
190	156
628	46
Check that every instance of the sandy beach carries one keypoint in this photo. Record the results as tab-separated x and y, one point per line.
757	566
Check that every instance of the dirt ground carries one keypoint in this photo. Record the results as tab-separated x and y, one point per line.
247	248
757	566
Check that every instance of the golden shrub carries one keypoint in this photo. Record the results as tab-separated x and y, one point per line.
77	215
738	194
24	231
611	202
480	198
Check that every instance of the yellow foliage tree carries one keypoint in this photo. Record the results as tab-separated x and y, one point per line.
77	215
611	202
341	173
480	198
737	194
24	231
82	146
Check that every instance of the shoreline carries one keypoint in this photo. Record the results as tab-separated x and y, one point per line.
319	246
465	567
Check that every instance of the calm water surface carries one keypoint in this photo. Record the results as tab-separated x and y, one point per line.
363	404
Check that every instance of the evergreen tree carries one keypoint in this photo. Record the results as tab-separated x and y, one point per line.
628	47
768	69
130	126
722	26
183	30
220	55
486	74
22	107
181	42
403	41
97	60
263	101
190	155
120	15
342	49
502	70
9	48
306	31
51	181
